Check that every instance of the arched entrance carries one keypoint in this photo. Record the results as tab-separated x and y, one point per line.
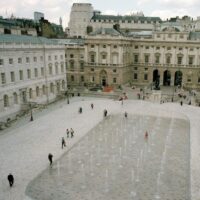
156	78
103	78
178	78
167	78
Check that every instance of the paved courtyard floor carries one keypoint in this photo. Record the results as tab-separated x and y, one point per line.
114	161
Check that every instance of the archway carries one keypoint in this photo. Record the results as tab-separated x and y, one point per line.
167	78
103	78
155	75
178	78
156	79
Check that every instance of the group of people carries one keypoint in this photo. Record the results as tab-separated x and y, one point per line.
70	132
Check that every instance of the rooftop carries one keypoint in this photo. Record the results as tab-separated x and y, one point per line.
26	39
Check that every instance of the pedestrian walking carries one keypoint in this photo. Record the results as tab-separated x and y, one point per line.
181	103
146	135
72	132
50	157
11	179
125	114
80	110
67	132
92	105
63	142
105	113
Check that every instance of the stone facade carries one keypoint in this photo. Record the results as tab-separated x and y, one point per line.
169	57
84	19
32	71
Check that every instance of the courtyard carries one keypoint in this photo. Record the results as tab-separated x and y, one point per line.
109	158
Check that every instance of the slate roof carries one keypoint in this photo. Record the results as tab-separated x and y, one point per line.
7	38
117	18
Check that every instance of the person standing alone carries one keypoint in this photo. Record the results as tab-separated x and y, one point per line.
11	179
50	157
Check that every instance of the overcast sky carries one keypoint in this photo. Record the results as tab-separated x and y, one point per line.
53	9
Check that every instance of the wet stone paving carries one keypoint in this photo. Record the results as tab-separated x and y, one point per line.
114	161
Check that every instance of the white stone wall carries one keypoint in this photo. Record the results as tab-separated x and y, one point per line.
79	18
34	57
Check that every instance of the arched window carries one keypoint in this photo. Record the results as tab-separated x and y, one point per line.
51	88
58	87
15	98
30	93
6	101
37	91
43	90
63	84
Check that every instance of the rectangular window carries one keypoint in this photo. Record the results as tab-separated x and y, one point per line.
35	59
56	57
136	47
82	78
135	58
114	80
135	76
28	73
189	79
12	76
179	60
19	60
41	58
135	68
92	69
92	58
21	75
104	56
10	61
145	77
3	78
82	67
146	59
157	59
168	60
42	71
49	58
56	69
1	61
27	59
114	70
50	70
190	60
36	72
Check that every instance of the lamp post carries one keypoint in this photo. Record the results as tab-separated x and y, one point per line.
31	119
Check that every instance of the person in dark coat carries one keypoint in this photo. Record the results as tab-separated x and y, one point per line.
50	157
67	131
181	103
72	132
80	110
126	114
92	105
63	142
11	179
105	113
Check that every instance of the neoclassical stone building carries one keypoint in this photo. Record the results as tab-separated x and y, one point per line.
32	70
170	56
